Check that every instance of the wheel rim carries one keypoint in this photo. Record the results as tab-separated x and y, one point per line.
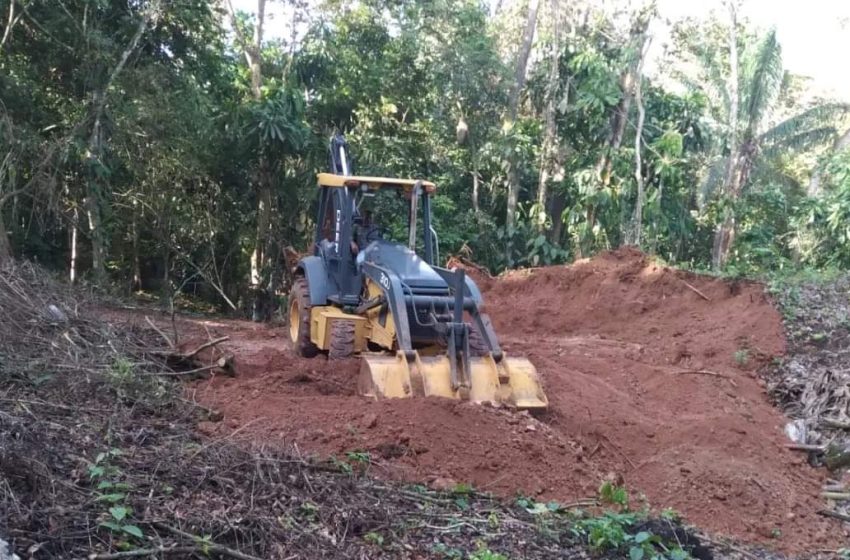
294	320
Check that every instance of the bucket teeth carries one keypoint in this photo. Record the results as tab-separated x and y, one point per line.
512	382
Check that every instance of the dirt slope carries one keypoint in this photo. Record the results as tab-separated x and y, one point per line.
618	342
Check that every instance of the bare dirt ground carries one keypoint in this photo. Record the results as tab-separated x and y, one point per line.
651	376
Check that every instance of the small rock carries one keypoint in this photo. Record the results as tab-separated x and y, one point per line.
443	484
206	428
615	478
6	552
370	420
531	428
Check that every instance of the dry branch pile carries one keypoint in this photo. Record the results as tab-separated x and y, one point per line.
813	384
100	460
45	327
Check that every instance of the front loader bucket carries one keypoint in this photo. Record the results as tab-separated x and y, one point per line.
520	384
513	381
392	376
384	376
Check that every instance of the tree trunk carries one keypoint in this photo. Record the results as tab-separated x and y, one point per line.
549	151
5	244
620	116
634	233
513	108
559	203
93	200
265	194
724	236
94	195
476	186
72	268
136	283
10	24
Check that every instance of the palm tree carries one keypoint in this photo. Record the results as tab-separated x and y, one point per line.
744	99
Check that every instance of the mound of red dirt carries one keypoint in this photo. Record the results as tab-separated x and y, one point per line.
651	378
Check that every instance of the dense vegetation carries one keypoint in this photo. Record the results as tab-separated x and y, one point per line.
171	145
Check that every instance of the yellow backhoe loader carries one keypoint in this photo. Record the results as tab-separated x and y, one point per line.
417	326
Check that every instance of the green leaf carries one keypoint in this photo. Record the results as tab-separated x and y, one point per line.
104	485
132	530
111	498
678	554
110	525
537	509
636	553
95	472
118	512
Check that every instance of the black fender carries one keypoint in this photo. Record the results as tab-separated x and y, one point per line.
473	290
313	268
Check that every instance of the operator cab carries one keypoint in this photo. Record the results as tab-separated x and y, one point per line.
351	234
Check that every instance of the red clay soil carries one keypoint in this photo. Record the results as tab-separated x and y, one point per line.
643	382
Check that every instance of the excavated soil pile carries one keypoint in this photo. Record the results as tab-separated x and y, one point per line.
651	378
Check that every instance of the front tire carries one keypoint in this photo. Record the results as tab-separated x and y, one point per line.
299	319
342	340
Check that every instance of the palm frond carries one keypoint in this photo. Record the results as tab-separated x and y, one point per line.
800	142
761	79
816	117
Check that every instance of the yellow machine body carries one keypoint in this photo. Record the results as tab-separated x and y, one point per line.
441	361
511	381
322	319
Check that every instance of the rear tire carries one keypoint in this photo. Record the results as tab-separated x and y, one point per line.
342	340
299	319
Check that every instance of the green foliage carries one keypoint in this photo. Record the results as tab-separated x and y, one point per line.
359	457
450	553
187	153
374	538
613	532
484	553
610	493
742	356
117	516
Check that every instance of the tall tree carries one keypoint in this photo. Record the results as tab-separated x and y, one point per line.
551	164
723	235
634	231
513	108
95	189
636	51
252	50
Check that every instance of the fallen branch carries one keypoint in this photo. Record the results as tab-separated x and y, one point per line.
837	496
204	346
805	447
221	363
55	405
159	331
834	514
703	372
834	423
208	546
144	552
696	291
